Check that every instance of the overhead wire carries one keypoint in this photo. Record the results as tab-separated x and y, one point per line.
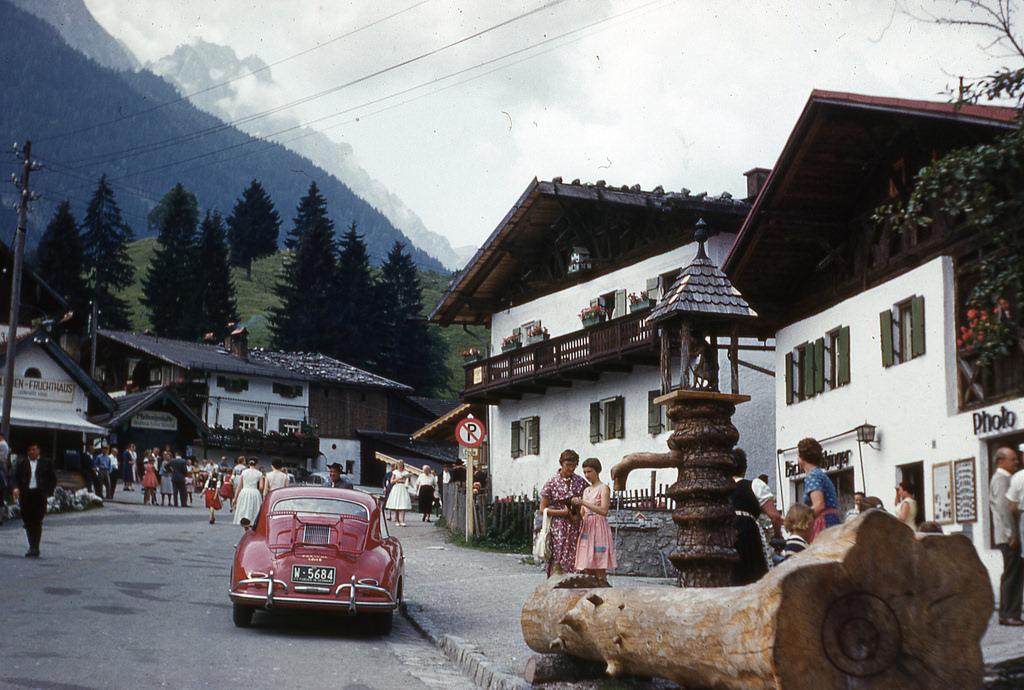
189	96
192	136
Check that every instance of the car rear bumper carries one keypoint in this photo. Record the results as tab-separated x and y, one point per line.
262	590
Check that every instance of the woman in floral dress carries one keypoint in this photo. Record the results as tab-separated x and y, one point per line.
565	518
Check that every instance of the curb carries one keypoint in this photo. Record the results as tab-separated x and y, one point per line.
466	656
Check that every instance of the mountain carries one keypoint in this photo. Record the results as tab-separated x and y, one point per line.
197	67
87	120
81	31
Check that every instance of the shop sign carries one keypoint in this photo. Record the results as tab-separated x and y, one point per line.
43	389
985	423
153	419
830	463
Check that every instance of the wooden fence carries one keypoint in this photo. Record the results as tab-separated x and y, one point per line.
640	499
508	517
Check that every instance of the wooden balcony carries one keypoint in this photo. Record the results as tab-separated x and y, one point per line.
1001	380
271	444
617	345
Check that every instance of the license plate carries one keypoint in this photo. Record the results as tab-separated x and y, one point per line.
312	574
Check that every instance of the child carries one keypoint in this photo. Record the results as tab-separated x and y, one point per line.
799	524
211	497
595	551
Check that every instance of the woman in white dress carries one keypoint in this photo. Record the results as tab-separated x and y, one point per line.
250	495
398	500
276	478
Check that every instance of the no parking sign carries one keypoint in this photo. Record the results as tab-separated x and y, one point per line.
470	432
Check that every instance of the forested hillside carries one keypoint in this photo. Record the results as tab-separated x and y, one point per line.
85	120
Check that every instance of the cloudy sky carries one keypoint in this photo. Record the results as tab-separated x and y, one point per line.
677	93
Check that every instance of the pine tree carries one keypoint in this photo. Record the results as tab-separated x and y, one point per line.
169	287
410	352
109	271
356	335
305	319
61	258
253	227
216	291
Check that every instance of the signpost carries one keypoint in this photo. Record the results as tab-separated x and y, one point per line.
470	433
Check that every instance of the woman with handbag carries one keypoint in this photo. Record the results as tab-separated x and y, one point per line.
556	496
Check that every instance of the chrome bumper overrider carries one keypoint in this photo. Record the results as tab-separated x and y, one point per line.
352	606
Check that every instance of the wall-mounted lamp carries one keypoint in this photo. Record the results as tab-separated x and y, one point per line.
866	433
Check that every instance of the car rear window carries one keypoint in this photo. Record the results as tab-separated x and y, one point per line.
330	506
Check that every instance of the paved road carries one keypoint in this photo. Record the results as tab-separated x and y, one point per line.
135	596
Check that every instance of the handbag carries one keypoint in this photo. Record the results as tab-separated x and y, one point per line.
542	544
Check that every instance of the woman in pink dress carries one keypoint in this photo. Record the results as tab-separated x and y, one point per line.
149	480
595	552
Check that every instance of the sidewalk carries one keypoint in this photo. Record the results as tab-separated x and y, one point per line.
468	602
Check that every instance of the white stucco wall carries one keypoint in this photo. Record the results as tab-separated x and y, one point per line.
913	404
565	412
37	358
259	399
338	450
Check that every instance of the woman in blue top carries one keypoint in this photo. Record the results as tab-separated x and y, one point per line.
819	491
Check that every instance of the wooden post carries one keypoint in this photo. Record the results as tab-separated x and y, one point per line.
734	360
869	604
666	361
684	357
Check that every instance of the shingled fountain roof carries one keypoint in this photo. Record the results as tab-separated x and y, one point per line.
701	290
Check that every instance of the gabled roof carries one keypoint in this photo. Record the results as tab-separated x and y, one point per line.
131	403
44	340
325	369
435	406
823	181
201	356
526	255
405	445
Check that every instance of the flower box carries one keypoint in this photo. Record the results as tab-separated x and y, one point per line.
510	344
537	338
593	319
640	304
470	357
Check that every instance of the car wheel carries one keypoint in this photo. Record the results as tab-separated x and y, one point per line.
242	615
382	623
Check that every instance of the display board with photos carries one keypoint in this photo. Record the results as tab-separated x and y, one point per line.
965	495
942	492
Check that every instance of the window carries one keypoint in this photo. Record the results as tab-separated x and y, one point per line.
232	385
818	366
655	413
289	426
614	303
248	422
607	419
287	391
902	331
33	373
525	437
155	375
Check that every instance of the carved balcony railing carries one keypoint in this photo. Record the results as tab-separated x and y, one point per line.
980	386
616	345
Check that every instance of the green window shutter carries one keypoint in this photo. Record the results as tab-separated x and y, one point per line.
819	365
516	435
807	365
533	436
654	425
620	303
789	378
595	422
620	417
843	343
917	326
652	289
885	330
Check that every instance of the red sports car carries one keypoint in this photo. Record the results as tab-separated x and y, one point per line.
319	548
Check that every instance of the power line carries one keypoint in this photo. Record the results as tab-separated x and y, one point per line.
214	87
173	141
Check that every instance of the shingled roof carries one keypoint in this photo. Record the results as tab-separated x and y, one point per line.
703	290
325	369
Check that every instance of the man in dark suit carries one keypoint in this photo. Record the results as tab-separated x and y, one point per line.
33	480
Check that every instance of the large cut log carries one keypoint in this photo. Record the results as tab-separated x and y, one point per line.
868	605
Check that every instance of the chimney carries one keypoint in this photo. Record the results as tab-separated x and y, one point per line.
755	181
237	341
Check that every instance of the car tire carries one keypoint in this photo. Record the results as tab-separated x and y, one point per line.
242	615
382	623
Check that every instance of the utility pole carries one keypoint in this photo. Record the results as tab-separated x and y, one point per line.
19	260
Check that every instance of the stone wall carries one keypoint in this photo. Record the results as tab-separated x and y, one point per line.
643	540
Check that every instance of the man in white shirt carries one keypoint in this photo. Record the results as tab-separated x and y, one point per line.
1005	493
